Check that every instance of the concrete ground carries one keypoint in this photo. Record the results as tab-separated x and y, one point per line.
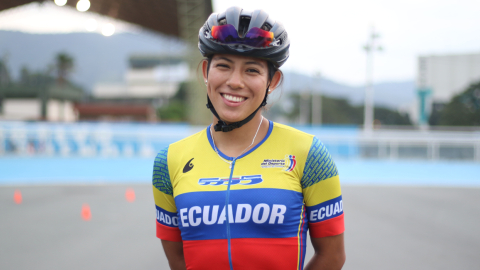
387	227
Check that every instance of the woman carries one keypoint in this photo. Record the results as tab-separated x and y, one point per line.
243	193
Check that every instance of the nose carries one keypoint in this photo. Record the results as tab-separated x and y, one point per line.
235	81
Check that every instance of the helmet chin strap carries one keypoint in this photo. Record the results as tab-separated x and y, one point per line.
224	127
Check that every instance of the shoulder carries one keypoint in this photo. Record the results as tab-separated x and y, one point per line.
285	130
287	133
176	154
190	140
286	136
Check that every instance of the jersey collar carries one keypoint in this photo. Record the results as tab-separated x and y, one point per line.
270	128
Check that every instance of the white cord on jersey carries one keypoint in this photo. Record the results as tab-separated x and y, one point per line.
229	162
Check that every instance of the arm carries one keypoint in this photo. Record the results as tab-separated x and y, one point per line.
329	253
174	253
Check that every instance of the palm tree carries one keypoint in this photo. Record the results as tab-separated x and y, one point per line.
64	65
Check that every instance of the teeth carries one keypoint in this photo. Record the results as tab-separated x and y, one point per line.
234	99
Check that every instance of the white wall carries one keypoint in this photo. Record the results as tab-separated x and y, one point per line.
21	109
30	109
448	75
156	82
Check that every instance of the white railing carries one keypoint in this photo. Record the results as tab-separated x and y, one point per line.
402	144
117	139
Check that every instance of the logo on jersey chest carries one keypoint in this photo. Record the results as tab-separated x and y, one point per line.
242	180
287	164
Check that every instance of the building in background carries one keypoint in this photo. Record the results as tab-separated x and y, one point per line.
150	82
37	96
441	77
150	77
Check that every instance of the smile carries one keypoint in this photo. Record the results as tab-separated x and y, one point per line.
233	98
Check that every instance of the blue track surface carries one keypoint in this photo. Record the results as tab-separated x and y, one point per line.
56	170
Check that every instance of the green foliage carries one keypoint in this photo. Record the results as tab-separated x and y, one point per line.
389	117
43	84
63	65
462	110
340	111
34	79
174	111
176	108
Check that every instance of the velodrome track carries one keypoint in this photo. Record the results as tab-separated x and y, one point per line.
388	227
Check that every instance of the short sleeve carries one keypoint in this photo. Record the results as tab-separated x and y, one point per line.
167	219
322	193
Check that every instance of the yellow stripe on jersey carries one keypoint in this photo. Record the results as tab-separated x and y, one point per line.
300	259
164	201
322	191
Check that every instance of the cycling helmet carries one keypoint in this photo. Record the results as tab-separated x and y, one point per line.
247	33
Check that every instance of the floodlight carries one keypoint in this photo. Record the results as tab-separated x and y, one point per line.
60	3
83	5
108	29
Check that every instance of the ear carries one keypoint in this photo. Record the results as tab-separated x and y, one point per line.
277	78
204	69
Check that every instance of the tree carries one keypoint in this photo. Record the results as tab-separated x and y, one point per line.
463	109
63	65
340	111
176	108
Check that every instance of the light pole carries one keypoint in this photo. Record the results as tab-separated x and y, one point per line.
317	101
370	48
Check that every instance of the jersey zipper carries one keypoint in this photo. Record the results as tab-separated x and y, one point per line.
227	217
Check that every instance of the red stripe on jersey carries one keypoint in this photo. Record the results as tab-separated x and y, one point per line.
330	227
168	233
247	253
206	254
265	253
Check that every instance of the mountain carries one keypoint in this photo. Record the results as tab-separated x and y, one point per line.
99	59
388	94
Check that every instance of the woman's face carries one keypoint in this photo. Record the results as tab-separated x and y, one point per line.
236	85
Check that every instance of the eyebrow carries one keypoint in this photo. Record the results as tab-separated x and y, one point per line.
254	63
231	61
223	58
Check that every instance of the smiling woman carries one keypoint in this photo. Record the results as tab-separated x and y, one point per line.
243	193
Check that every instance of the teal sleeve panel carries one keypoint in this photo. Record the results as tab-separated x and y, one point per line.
319	165
161	176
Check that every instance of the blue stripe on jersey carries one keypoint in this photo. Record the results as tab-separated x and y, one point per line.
326	210
167	218
253	213
161	176
319	165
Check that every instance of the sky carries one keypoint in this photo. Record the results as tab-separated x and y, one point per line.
327	37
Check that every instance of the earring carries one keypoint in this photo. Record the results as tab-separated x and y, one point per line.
205	82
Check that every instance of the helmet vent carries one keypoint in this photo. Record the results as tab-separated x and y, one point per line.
243	26
222	22
266	27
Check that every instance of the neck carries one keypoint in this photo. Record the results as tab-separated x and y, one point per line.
234	142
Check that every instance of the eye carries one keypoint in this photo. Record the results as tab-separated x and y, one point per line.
222	65
252	70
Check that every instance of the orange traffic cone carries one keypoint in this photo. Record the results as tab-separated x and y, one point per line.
130	195
86	214
17	197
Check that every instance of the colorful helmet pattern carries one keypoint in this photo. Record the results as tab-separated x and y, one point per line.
241	32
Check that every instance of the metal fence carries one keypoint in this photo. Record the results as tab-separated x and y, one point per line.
140	139
415	144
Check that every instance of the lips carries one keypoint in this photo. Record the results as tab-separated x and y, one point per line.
235	99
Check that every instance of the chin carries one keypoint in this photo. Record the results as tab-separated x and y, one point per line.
233	117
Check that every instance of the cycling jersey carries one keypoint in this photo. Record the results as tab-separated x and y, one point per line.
272	194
